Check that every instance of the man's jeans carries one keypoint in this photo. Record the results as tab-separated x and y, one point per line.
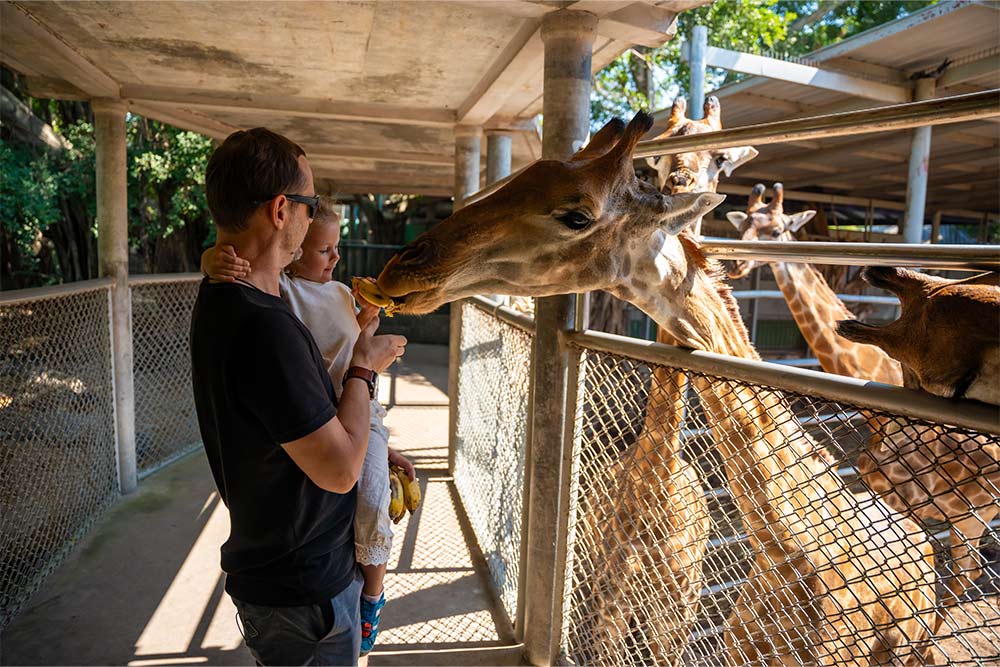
319	634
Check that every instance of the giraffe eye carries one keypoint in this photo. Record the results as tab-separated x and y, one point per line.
575	219
776	233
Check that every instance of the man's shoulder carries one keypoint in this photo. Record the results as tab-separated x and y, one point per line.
227	305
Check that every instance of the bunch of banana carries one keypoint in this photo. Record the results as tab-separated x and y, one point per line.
405	494
369	291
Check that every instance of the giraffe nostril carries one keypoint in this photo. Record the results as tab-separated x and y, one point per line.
417	253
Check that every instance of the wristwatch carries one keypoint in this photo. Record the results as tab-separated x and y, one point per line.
368	375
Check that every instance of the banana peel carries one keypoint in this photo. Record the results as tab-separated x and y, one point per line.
369	291
411	488
397	506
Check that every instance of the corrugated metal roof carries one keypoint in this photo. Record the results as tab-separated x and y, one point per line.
964	158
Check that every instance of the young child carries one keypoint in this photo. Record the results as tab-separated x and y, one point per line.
329	311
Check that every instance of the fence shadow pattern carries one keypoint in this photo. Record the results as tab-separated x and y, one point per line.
58	465
492	438
717	522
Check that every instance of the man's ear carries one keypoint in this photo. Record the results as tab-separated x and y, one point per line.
797	220
737	218
277	212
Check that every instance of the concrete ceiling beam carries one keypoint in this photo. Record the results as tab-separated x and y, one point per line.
285	106
185	120
972	70
805	75
397	157
23	32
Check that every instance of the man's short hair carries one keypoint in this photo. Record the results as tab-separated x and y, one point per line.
250	167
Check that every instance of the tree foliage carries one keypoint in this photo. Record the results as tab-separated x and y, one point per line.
48	197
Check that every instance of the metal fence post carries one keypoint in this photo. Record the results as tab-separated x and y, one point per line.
916	183
699	47
112	246
568	37
467	141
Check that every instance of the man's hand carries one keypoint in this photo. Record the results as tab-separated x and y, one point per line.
377	352
222	263
397	459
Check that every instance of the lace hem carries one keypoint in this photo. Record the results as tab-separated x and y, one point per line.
372	554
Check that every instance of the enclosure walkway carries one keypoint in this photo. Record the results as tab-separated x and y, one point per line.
144	587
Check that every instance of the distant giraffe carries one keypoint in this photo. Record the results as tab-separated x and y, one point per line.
935	474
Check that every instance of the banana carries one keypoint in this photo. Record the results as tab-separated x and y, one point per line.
397	507
369	291
411	489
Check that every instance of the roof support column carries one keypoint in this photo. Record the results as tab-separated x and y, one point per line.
568	37
699	46
112	250
498	151
467	141
916	182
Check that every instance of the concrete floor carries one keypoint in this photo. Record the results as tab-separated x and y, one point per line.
144	587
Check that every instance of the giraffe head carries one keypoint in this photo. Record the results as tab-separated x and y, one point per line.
947	337
697	171
764	222
557	228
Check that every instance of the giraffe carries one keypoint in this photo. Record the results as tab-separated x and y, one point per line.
697	171
932	473
835	578
946	334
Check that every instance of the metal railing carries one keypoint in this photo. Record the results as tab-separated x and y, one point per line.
59	460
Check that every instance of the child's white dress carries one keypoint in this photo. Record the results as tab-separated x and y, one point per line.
328	311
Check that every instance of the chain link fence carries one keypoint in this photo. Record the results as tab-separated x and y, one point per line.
58	466
492	437
166	424
719	522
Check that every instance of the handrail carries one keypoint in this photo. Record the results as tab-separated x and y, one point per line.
846	298
154	278
961	257
501	312
954	109
11	297
963	413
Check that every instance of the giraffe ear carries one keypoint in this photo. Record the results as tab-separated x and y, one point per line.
602	142
683	209
797	220
737	218
736	157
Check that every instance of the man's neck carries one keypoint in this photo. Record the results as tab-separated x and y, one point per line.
266	260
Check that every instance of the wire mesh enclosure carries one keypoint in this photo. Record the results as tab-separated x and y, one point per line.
58	466
166	424
718	522
491	441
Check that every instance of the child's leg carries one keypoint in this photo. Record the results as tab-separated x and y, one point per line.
374	577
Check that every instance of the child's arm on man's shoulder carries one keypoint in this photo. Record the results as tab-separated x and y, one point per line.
222	263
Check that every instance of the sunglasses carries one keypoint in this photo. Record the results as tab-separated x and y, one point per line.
311	202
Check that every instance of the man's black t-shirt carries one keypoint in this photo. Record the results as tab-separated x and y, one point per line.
259	381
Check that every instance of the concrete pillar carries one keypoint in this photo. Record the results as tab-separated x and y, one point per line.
699	46
498	150
112	251
916	182
936	227
568	37
467	140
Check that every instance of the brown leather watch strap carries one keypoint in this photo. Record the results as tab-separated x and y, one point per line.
366	374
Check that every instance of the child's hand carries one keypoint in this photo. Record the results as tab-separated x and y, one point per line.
398	460
368	311
222	263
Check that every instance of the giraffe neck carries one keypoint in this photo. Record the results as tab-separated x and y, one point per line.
766	454
816	310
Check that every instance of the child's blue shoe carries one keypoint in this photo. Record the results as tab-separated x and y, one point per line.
370	614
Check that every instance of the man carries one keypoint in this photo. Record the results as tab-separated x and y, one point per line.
284	453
